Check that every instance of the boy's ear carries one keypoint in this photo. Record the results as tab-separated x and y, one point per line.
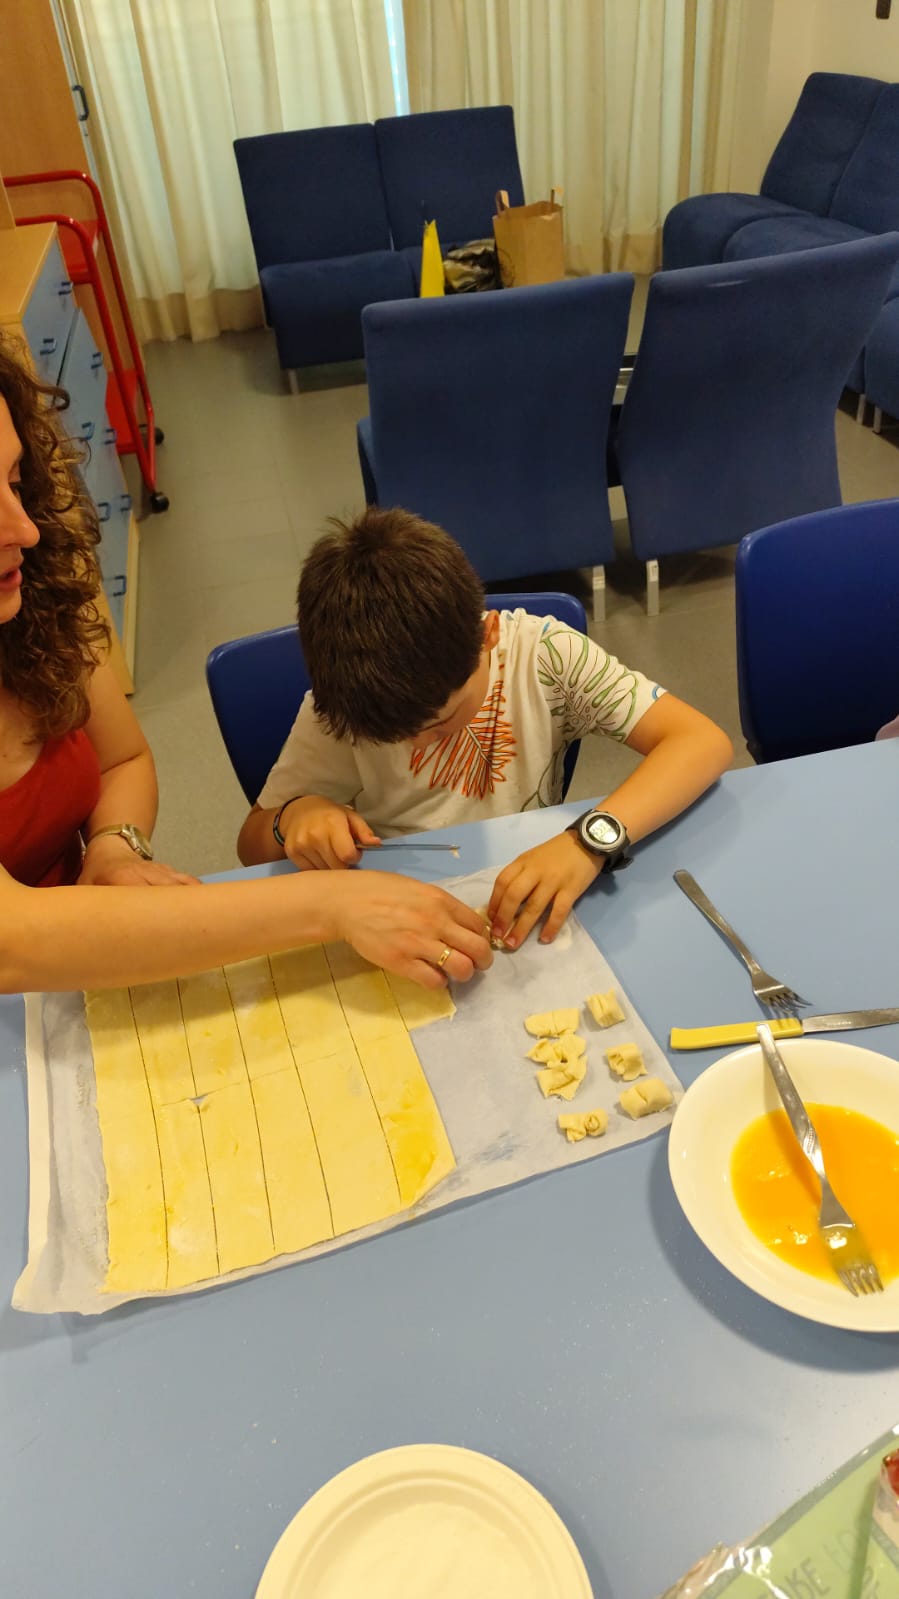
491	629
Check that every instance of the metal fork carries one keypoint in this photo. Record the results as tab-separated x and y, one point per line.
767	990
849	1254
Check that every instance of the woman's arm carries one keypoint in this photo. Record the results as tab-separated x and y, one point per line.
86	937
128	791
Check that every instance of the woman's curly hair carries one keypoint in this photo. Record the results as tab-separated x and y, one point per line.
49	650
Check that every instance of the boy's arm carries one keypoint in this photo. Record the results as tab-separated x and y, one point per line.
684	752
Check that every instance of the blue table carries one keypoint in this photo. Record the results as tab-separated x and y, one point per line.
573	1327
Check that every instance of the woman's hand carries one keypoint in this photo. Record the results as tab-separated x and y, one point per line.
321	835
110	862
552	874
407	926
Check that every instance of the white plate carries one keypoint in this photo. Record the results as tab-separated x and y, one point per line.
427	1521
709	1120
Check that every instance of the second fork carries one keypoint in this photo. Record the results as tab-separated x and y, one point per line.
768	990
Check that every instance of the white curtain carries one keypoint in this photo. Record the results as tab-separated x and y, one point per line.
628	105
174	82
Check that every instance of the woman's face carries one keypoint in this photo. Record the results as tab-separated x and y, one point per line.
17	532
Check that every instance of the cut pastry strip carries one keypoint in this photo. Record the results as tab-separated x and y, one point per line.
121	1082
369	1006
163	1042
135	1207
351	1143
312	1013
216	1056
297	1195
550	1023
583	1124
418	1006
416	1137
260	1023
605	1008
626	1062
646	1097
190	1224
236	1177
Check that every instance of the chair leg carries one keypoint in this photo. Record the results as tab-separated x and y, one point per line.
293	380
599	593
652	588
861	410
878	419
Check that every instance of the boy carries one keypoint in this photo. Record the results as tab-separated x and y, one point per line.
426	711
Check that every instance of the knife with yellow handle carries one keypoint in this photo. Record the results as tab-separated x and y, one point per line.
841	1021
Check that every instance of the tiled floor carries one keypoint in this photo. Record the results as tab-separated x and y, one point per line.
252	472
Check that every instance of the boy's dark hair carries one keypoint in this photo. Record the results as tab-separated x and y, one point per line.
390	616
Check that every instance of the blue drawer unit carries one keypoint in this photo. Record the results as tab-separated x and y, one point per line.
48	317
83	376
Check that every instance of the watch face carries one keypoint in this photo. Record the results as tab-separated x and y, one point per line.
604	831
138	841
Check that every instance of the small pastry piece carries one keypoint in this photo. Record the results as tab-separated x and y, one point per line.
550	1023
563	1080
604	1008
558	1051
626	1062
646	1097
583	1124
495	943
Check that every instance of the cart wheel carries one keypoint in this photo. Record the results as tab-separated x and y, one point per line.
159	502
158	435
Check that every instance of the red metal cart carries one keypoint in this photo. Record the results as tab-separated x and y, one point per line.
80	241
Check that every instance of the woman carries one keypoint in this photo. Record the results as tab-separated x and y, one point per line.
78	786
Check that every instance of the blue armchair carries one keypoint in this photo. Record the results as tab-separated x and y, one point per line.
728	422
319	227
446	166
489	415
817	625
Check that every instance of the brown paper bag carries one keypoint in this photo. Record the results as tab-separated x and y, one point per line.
529	242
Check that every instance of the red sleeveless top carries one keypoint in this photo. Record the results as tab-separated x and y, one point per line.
41	813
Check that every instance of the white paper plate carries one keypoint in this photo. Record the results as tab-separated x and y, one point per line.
709	1120
427	1521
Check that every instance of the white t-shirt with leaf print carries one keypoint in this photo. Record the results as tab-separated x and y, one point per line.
548	685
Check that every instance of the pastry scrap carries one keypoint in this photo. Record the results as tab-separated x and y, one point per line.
626	1062
646	1097
605	1008
583	1124
558	1051
495	943
550	1023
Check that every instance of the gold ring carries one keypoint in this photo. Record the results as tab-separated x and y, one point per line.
447	952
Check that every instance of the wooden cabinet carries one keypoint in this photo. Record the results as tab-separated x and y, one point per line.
38	308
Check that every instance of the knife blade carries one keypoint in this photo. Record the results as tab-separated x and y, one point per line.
840	1021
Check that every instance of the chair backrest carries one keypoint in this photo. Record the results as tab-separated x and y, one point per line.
489	414
818	630
728	422
445	167
867	195
257	685
313	193
812	153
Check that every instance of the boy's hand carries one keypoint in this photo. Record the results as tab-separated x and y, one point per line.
555	873
321	835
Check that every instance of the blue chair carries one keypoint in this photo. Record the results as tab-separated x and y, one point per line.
446	166
882	363
257	685
728	422
818	630
489	414
319	227
801	179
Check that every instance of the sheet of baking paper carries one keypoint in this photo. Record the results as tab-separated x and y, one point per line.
500	1127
